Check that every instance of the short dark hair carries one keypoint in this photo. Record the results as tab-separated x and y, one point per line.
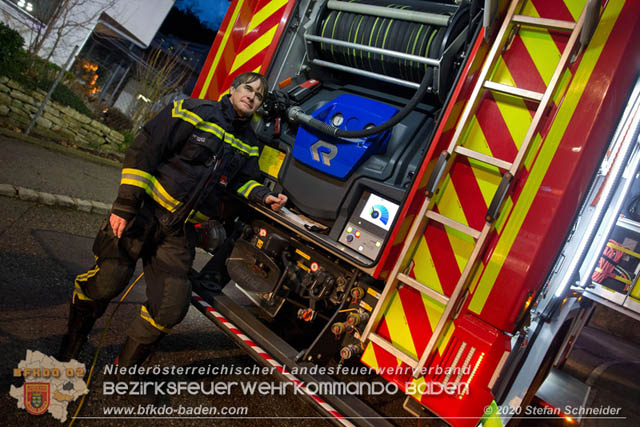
250	78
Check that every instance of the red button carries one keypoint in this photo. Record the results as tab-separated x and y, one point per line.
357	234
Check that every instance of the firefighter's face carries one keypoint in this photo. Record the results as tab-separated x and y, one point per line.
246	98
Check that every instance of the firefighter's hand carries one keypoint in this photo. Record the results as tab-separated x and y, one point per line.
276	202
117	224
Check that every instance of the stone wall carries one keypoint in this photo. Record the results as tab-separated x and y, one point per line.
57	122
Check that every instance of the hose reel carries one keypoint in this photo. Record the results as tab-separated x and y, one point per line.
396	43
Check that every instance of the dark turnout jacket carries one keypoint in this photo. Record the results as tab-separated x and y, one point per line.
185	157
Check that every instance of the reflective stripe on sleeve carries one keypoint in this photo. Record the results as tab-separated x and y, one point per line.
247	188
197	217
151	186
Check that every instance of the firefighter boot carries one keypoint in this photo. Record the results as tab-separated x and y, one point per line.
134	353
81	320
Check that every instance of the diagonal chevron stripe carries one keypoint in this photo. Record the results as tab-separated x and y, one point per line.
418	322
266	12
399	332
254	48
444	258
221	49
541	166
425	271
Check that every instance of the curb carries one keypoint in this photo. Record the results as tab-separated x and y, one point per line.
30	195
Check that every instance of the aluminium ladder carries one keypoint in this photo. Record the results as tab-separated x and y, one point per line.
399	274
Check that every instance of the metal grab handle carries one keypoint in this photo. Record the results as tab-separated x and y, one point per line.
498	198
434	179
590	21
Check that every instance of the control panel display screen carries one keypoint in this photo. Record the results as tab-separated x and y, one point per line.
379	212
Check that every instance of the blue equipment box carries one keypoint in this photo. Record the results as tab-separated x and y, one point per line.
339	157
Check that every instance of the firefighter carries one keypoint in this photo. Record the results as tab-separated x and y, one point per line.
174	175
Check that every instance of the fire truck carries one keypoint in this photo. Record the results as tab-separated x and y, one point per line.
450	166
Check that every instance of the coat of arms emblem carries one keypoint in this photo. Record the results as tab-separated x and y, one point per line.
36	398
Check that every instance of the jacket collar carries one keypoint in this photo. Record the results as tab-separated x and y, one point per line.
231	115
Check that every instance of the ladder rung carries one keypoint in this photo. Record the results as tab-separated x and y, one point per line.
483	158
453	224
515	91
393	350
544	22
420	287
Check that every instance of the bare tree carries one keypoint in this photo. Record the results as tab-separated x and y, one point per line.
159	75
57	19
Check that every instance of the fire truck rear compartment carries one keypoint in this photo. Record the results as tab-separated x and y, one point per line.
367	62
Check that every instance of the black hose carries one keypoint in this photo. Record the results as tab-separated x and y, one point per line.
297	115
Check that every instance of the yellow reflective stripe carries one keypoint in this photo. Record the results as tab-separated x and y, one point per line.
228	138
144	313
211	128
194	119
149	191
200	216
196	217
260	44
369	357
151	186
138	172
425	270
398	326
83	277
78	292
547	152
235	142
80	296
222	47
154	184
623	250
264	13
186	115
619	278
247	188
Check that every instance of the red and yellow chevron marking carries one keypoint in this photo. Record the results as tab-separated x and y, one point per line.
533	219
546	201
497	129
245	42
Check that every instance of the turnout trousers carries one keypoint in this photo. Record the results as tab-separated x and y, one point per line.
166	256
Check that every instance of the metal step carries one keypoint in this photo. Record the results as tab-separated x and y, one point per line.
483	158
421	287
515	91
533	21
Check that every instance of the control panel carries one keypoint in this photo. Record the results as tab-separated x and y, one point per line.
369	225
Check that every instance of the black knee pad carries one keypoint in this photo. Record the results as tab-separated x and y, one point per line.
113	277
174	305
